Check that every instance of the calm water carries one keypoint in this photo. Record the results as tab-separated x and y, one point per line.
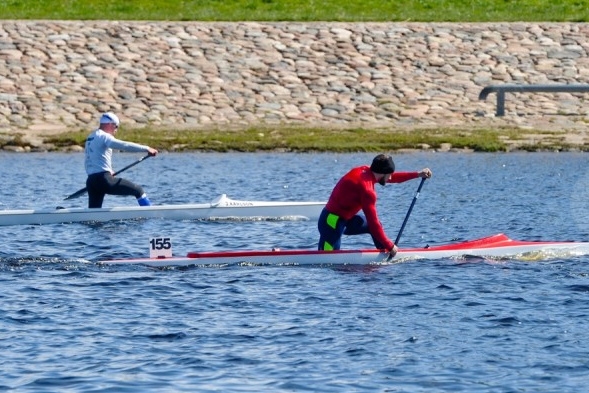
68	324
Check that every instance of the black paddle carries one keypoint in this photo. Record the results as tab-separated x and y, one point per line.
407	215
81	192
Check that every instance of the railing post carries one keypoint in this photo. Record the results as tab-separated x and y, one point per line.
500	103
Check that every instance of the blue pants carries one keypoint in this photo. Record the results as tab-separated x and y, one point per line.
332	227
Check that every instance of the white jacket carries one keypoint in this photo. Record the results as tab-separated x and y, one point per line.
98	151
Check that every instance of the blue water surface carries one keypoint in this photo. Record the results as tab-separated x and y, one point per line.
70	324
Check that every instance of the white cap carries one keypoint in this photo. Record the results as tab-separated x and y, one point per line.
109	117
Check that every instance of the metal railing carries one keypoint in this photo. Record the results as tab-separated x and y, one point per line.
552	88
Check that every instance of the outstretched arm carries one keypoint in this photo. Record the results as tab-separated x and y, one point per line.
400	177
119	144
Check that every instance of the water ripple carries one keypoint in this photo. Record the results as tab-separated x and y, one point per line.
68	323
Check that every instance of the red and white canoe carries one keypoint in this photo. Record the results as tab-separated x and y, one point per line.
496	246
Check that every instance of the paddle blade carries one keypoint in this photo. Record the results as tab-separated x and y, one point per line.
77	194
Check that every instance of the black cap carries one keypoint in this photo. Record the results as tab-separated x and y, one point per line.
382	164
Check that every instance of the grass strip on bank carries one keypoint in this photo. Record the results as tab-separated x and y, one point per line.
295	139
301	10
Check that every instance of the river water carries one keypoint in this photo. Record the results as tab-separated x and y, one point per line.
70	324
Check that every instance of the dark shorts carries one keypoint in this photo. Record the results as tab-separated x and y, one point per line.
100	184
332	227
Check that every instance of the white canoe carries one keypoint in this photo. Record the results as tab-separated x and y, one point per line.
496	246
221	207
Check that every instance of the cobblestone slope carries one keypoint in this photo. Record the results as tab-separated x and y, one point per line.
57	76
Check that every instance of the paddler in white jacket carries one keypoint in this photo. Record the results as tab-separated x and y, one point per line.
98	163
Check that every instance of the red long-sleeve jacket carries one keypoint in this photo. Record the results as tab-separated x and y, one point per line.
355	192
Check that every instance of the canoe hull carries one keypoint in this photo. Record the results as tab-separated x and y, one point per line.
220	208
492	246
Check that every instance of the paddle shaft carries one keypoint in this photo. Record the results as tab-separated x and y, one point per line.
409	211
82	191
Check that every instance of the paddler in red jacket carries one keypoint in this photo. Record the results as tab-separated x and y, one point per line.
355	192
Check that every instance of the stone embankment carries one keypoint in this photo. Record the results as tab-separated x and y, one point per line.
59	75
